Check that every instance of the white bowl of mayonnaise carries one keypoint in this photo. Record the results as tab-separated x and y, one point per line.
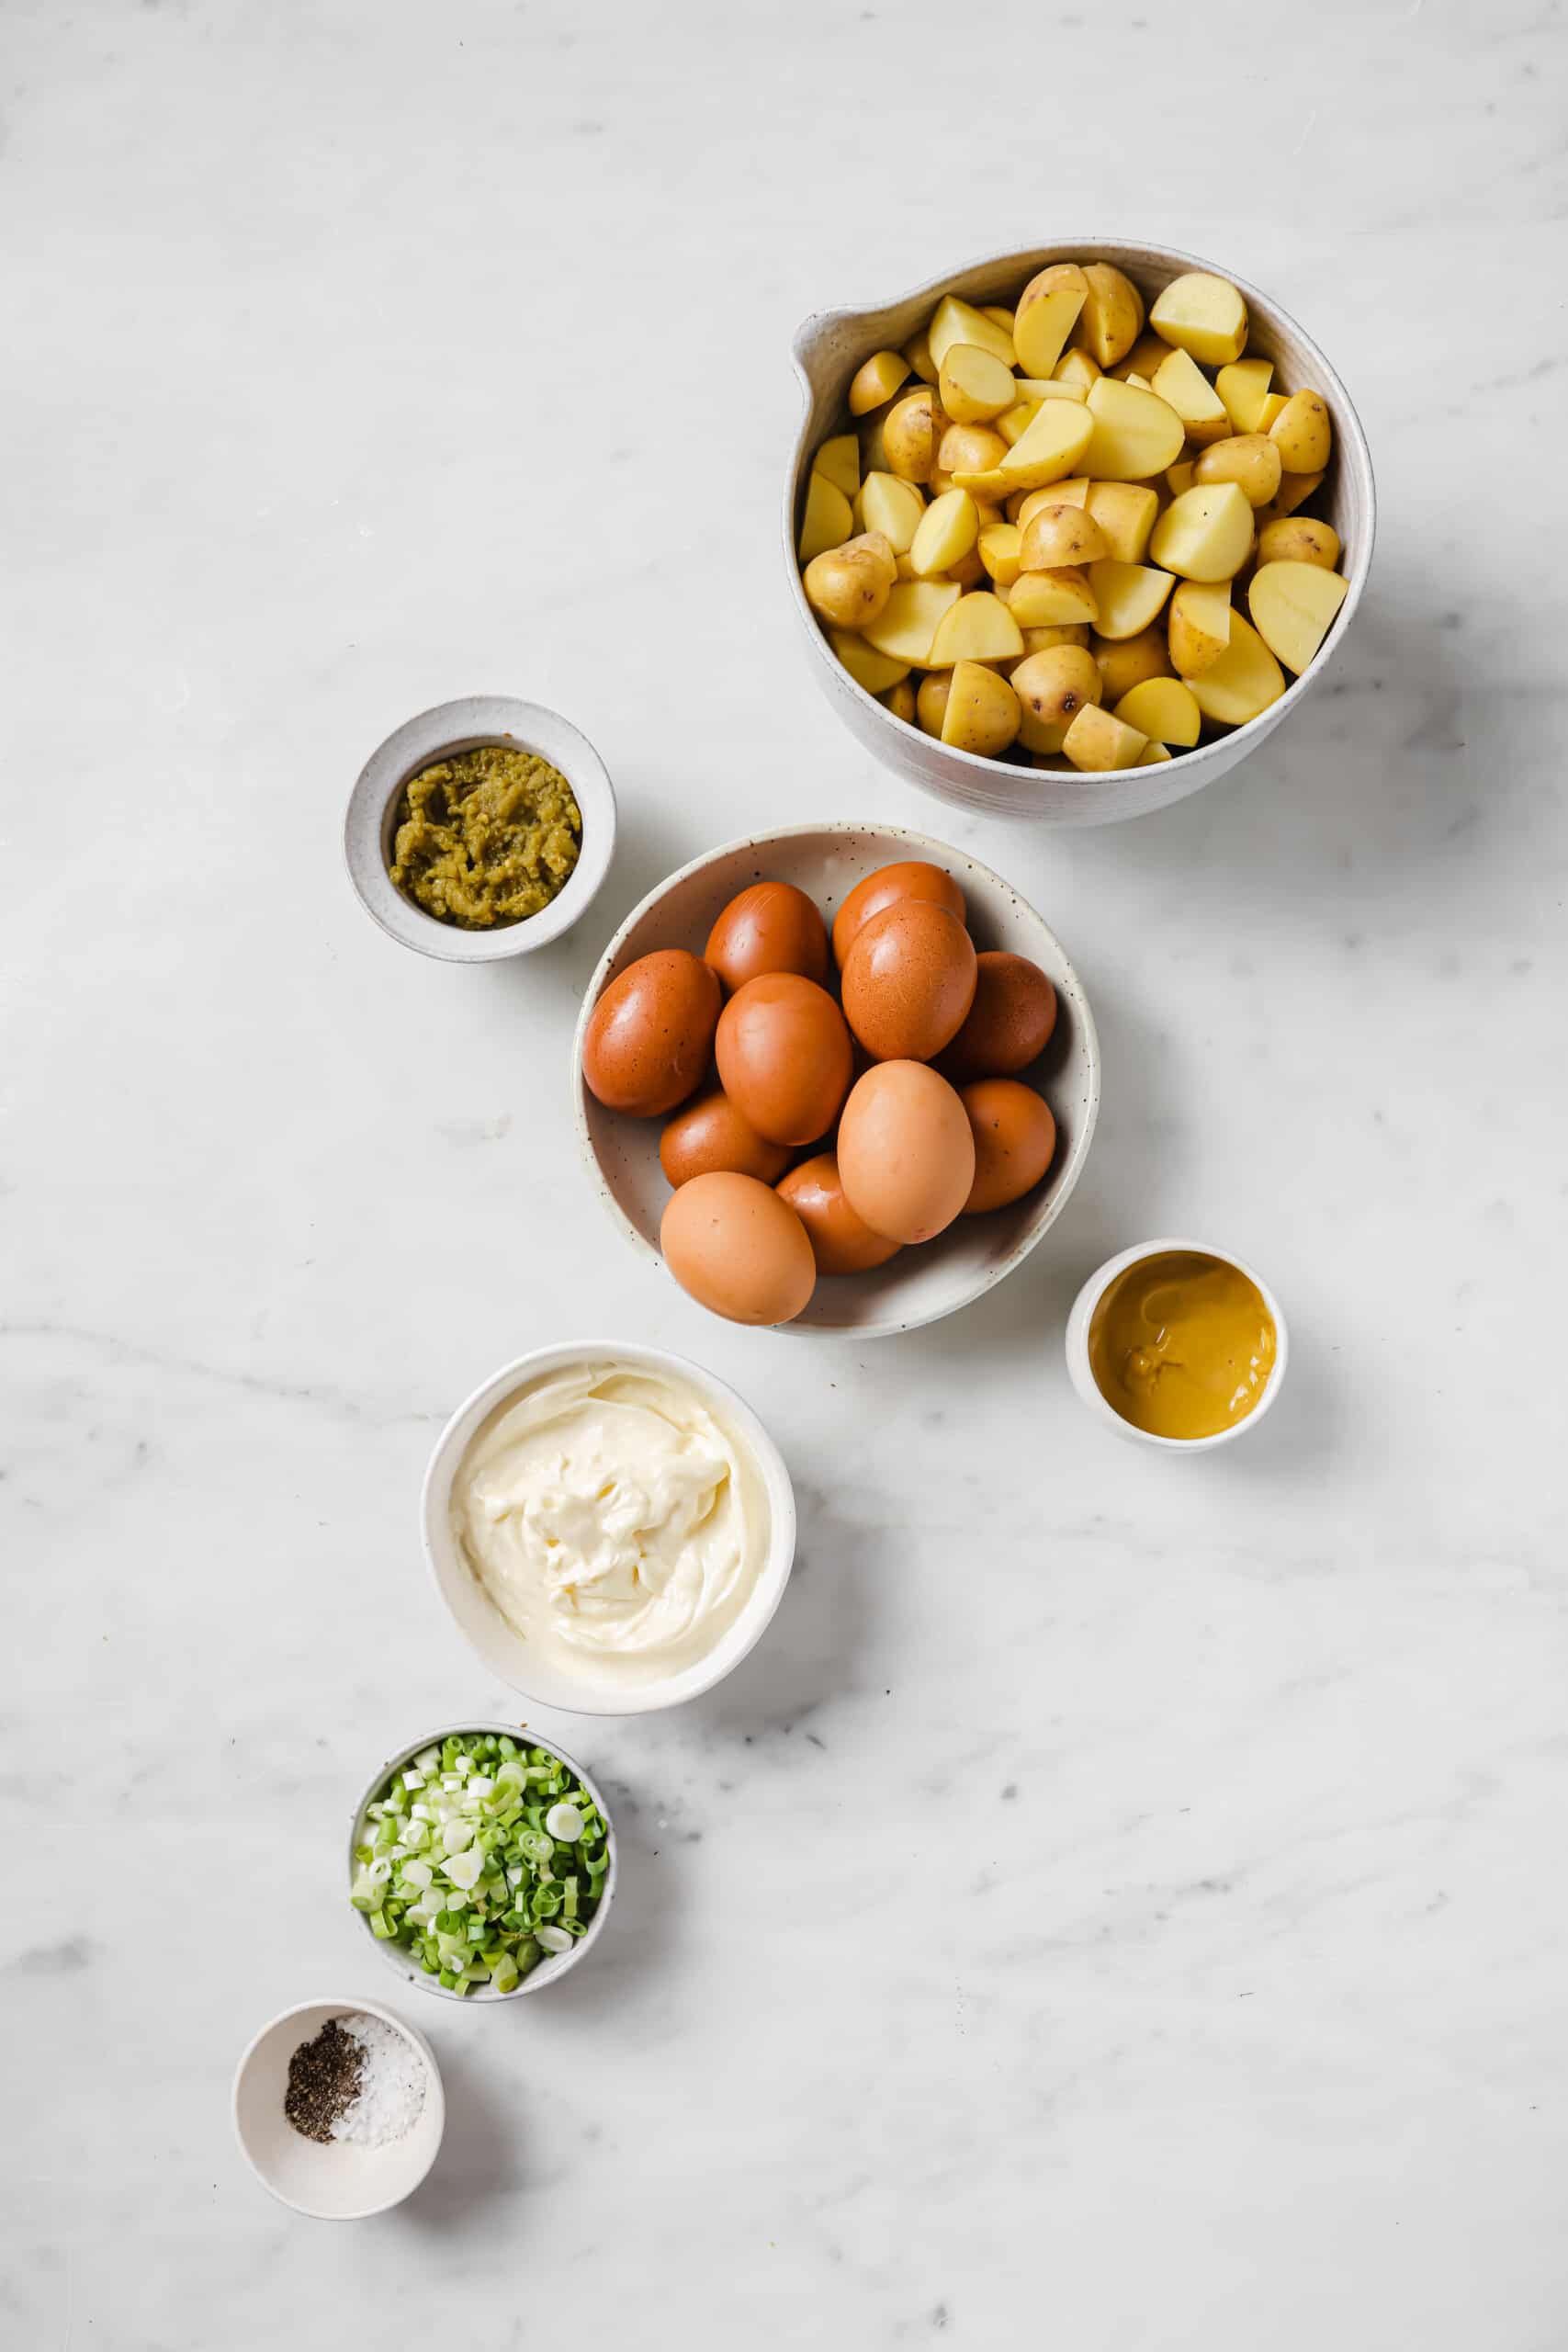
610	1527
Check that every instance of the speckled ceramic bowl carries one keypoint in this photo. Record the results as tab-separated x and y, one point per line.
827	349
826	862
437	734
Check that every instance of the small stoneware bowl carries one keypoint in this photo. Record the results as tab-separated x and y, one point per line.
827	349
826	862
555	1965
466	725
497	1644
1081	1372
333	2180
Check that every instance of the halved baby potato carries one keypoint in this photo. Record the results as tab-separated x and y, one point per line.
1293	605
1051	448
1052	687
838	461
892	507
875	672
1303	435
1204	315
1206	534
998	545
1125	512
954	320
907	622
1135	434
1164	710
911	431
1200	626
1249	460
1243	681
1299	538
1058	533
944	535
974	384
1124	663
1097	739
1128	597
1180	381
1047	312
826	521
1038	599
849	585
876	380
1113	315
978	627
981	711
1244	387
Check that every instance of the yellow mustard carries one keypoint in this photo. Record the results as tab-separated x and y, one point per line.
1182	1345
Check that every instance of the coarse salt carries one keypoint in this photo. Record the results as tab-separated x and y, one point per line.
391	2085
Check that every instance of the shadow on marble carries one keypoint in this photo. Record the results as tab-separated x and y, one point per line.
484	2153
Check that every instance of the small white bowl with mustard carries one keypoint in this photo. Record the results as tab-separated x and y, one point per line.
610	1527
1178	1346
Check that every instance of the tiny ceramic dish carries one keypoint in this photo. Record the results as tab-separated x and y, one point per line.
555	1965
827	861
333	2180
438	734
827	349
1080	1370
498	1644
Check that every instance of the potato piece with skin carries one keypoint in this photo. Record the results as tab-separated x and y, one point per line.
1151	755
981	712
907	622
1125	512
954	320
1041	597
1199	624
999	316
1125	662
1243	388
892	507
946	532
970	449
1204	315
1077	368
1206	534
969	571
1135	433
1179	477
1299	538
875	672
998	549
911	434
1015	421
1303	435
973	385
917	352
1163	710
1050	449
1097	740
826	521
1180	382
1052	688
1272	407
1146	356
1057	533
847	586
900	701
1043	635
838	461
931	700
1128	597
978	627
876	380
1294	491
1112	316
1243	681
1050	388
1293	605
983	487
1047	313
1072	493
1249	460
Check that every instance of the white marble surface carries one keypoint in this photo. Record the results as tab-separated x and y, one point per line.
1121	1905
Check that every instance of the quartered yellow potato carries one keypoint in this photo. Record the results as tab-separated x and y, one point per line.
1145	357
1135	434
998	545
1047	313
826	521
1299	538
1125	662
838	461
981	712
875	672
849	585
1179	477
1206	534
1097	738
1301	433
1045	634
978	627
1164	710
876	380
1125	512
966	449
945	533
917	352
910	433
1112	315
1244	388
1052	687
1040	598
1181	382
1128	596
1199	624
1058	533
931	700
1293	605
1050	388
1249	460
973	385
900	700
1204	315
955	322
1151	755
1051	448
1273	406
892	507
907	622
1074	492
1294	491
1077	368
1243	681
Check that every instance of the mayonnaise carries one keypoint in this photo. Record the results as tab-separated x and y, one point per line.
612	1520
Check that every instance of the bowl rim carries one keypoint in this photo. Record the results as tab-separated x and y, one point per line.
464	725
547	1972
1081	1370
436	2096
772	1575
1197	764
924	846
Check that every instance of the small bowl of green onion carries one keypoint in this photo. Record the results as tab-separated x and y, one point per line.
482	1862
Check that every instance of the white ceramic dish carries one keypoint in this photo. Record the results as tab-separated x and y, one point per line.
1081	1373
826	862
549	1971
463	726
827	349
497	1644
332	2180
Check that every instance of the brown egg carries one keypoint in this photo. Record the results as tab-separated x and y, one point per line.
908	981
784	1056
710	1134
912	879
905	1152
841	1242
737	1249
651	1032
1011	1021
1015	1137
772	927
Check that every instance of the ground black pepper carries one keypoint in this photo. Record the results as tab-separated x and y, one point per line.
324	2079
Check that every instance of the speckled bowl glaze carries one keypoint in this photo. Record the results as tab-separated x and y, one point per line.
827	349
437	734
548	1971
827	861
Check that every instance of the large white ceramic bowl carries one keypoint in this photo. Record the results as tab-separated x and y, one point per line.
498	1644
826	862
830	345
